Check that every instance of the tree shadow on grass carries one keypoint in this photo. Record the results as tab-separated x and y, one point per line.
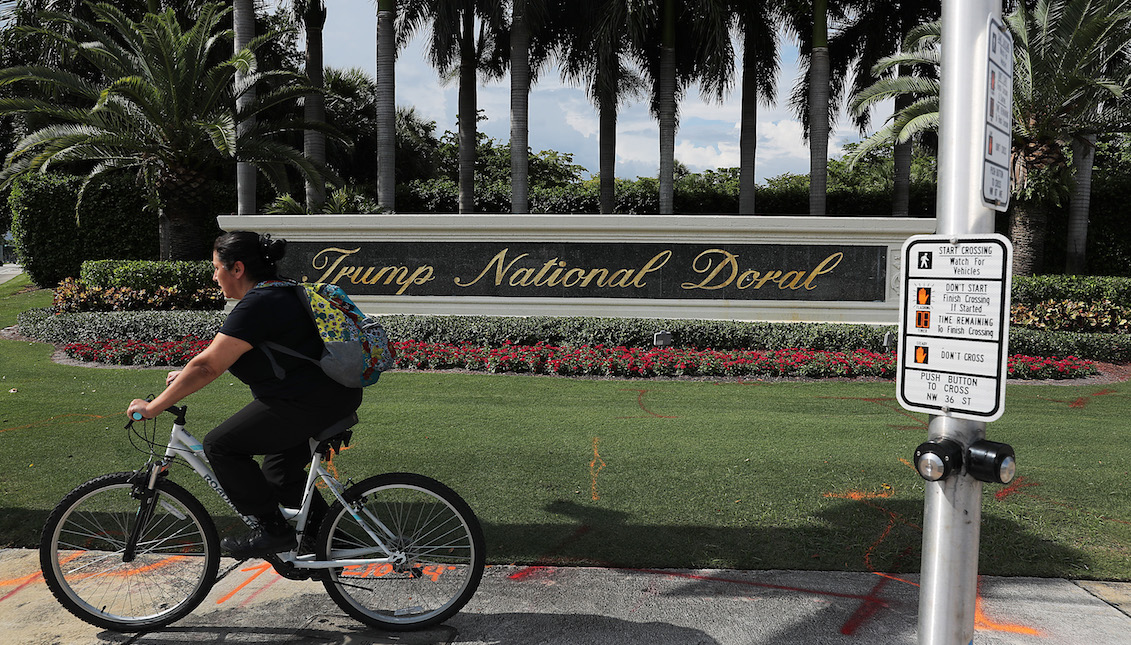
876	535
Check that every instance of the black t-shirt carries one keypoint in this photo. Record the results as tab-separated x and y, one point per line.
277	314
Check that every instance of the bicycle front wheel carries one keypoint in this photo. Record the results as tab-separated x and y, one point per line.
436	545
82	554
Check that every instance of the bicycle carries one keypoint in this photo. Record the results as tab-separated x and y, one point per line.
134	551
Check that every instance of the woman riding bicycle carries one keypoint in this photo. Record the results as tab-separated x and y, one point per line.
284	413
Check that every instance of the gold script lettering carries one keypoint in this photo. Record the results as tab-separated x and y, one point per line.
729	260
322	262
500	270
826	266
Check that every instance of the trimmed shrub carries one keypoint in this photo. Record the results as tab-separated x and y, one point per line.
1034	290
52	239
45	326
113	221
1066	315
149	275
74	296
43	227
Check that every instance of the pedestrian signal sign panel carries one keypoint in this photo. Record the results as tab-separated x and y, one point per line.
954	325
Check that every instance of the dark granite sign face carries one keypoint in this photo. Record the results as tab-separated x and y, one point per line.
822	272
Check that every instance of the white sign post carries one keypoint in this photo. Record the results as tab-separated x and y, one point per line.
954	325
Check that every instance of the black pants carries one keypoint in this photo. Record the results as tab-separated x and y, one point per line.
280	430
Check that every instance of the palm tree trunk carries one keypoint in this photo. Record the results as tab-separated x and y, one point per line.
1027	222
314	108
667	110
243	18
608	153
520	112
386	105
467	112
1083	156
748	133
819	110
901	181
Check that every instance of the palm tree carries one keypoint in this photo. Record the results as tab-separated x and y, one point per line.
456	46
1070	72
874	32
312	13
243	20
915	89
706	56
591	47
386	104
529	49
756	23
165	112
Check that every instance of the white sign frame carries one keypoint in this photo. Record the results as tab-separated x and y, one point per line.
954	325
997	143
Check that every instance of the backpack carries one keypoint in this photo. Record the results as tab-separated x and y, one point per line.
355	346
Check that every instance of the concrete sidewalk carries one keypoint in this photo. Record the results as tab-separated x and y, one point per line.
583	606
9	271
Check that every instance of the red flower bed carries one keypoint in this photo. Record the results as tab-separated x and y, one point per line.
631	362
136	352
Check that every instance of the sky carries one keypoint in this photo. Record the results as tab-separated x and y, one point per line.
563	119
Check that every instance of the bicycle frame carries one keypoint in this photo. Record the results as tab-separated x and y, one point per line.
183	444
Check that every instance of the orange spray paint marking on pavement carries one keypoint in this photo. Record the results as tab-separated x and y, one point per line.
258	569
595	468
981	621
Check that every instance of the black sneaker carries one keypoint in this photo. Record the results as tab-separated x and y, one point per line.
259	543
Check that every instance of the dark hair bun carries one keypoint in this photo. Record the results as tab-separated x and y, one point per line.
272	249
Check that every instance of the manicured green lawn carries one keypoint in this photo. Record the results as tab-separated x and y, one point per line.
756	475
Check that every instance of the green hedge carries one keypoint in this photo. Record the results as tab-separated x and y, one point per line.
45	326
1030	291
52	239
44	228
634	332
629	332
148	274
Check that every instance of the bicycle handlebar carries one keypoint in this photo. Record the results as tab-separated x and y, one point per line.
179	411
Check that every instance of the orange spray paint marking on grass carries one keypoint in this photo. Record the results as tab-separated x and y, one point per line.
595	468
640	401
54	421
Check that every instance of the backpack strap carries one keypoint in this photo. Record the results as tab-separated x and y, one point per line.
269	347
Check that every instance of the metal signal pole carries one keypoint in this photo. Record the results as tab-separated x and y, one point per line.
953	505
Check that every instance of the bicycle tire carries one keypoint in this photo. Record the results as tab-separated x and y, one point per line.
436	531
175	565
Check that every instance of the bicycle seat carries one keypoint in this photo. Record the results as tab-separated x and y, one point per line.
334	437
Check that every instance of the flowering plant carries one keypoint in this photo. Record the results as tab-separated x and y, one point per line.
599	360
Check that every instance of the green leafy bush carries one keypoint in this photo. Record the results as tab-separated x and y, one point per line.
45	326
149	275
44	228
74	296
1109	348
1067	315
52	239
1033	290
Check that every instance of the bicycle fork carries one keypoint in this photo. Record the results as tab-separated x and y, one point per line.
147	493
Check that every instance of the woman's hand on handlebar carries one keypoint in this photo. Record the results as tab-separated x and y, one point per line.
172	376
140	407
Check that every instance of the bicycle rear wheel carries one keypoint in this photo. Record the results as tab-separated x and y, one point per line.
425	522
174	567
